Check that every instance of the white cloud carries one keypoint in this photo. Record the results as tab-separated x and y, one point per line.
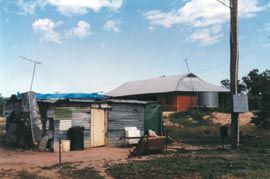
29	7
67	7
70	7
112	25
202	15
151	28
81	31
46	28
207	36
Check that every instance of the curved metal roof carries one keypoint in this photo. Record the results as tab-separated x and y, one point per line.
164	84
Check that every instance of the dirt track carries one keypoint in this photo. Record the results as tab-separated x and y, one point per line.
32	160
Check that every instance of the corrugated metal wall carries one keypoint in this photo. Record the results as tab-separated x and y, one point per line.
121	116
208	99
66	117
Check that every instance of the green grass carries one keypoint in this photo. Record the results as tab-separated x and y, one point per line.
24	174
72	170
251	161
252	140
21	174
65	170
201	135
189	166
194	129
80	173
192	118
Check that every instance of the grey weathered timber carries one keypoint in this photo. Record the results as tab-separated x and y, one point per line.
121	116
78	116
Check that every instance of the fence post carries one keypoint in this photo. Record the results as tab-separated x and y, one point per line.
166	141
60	148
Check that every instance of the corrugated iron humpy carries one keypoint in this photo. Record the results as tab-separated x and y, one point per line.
31	115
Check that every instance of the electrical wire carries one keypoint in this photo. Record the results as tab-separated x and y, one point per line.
261	45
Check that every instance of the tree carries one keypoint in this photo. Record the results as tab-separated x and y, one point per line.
241	88
262	117
257	86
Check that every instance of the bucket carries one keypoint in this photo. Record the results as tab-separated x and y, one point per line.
65	145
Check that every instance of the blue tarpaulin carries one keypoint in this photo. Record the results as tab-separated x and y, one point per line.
40	96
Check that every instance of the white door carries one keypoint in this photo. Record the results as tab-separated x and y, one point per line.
98	127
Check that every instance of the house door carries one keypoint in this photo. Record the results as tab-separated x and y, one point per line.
98	127
187	102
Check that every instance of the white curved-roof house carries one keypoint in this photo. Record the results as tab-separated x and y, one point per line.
177	92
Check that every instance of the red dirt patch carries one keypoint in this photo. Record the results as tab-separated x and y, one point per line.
225	118
98	158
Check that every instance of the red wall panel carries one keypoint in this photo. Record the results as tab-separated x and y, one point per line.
186	102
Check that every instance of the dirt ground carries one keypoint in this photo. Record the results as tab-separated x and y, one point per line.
98	158
225	118
216	117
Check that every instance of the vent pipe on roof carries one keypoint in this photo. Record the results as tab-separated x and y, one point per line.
191	75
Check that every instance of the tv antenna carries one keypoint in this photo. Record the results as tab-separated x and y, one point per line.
34	70
190	75
186	61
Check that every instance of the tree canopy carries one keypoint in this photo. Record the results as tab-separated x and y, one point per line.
257	86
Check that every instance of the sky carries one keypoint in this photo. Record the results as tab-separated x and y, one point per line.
97	45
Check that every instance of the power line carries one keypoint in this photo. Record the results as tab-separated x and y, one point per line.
225	63
242	55
213	67
253	50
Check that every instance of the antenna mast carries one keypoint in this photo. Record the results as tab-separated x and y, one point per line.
193	89
186	61
34	70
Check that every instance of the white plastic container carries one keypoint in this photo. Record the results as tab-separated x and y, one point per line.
132	132
65	145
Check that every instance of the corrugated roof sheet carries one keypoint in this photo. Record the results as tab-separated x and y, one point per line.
164	84
125	101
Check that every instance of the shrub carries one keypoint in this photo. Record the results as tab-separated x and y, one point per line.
262	117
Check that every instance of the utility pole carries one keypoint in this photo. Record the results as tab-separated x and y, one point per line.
234	62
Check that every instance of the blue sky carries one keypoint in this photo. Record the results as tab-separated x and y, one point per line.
96	45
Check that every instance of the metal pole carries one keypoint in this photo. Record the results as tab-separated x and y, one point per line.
60	157
33	75
166	141
234	70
